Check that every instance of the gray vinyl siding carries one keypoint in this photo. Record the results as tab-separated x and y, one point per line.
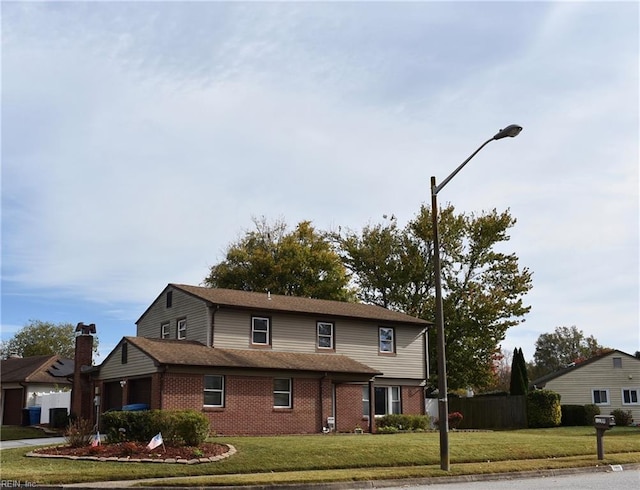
354	338
576	386
183	306
137	364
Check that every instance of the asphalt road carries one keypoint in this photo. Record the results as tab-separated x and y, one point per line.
609	480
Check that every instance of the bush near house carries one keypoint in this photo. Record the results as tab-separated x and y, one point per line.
178	427
543	409
575	415
402	422
623	418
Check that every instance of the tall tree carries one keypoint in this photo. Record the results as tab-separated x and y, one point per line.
39	338
482	287
562	347
519	380
302	262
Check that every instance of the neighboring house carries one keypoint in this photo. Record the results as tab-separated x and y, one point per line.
22	378
257	363
610	380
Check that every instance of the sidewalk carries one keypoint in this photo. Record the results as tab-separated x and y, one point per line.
41	441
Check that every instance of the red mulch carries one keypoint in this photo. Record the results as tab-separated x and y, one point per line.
135	450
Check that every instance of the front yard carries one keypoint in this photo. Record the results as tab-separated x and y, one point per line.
303	459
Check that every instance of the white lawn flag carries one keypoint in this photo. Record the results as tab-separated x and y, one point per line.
156	441
95	440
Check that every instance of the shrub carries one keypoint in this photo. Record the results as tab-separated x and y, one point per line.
78	433
622	418
543	409
454	419
579	414
590	412
387	429
191	427
178	427
403	422
573	415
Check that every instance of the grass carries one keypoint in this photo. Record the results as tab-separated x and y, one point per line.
304	459
15	432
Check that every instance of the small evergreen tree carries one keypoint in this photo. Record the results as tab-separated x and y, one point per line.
519	380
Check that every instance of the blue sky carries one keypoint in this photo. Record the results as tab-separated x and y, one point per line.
139	139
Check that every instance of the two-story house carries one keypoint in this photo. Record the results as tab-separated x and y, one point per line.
257	363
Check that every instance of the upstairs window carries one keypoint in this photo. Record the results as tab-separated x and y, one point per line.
164	330
617	362
181	329
600	397
325	335
124	354
282	393
260	331
214	391
387	340
169	298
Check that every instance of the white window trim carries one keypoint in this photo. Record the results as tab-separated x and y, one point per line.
366	399
280	392
637	390
391	400
221	391
267	332
181	329
330	336
165	330
393	340
606	390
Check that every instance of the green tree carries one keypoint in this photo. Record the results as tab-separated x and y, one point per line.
302	262
39	338
562	347
519	379
482	287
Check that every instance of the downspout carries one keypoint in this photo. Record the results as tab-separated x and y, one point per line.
372	407
211	310
425	357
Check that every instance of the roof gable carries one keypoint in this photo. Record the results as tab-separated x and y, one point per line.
543	380
192	353
292	304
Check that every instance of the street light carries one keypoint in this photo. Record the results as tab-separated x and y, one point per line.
443	404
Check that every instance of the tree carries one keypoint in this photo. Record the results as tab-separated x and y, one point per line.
482	287
39	338
562	347
502	361
519	380
298	263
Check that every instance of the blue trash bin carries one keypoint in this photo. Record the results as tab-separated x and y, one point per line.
134	407
34	415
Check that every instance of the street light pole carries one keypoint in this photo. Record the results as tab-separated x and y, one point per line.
443	403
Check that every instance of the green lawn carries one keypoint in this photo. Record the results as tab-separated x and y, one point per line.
15	432
301	459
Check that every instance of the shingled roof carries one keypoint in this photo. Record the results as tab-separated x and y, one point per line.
293	304
192	353
36	369
543	380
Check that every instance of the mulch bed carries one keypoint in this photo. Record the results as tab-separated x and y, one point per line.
131	451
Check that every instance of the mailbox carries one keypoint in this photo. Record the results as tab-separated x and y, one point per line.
604	422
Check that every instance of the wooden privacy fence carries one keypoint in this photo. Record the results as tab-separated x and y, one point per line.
491	412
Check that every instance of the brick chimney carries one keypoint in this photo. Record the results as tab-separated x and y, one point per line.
82	394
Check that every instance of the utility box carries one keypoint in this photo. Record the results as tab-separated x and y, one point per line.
602	423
